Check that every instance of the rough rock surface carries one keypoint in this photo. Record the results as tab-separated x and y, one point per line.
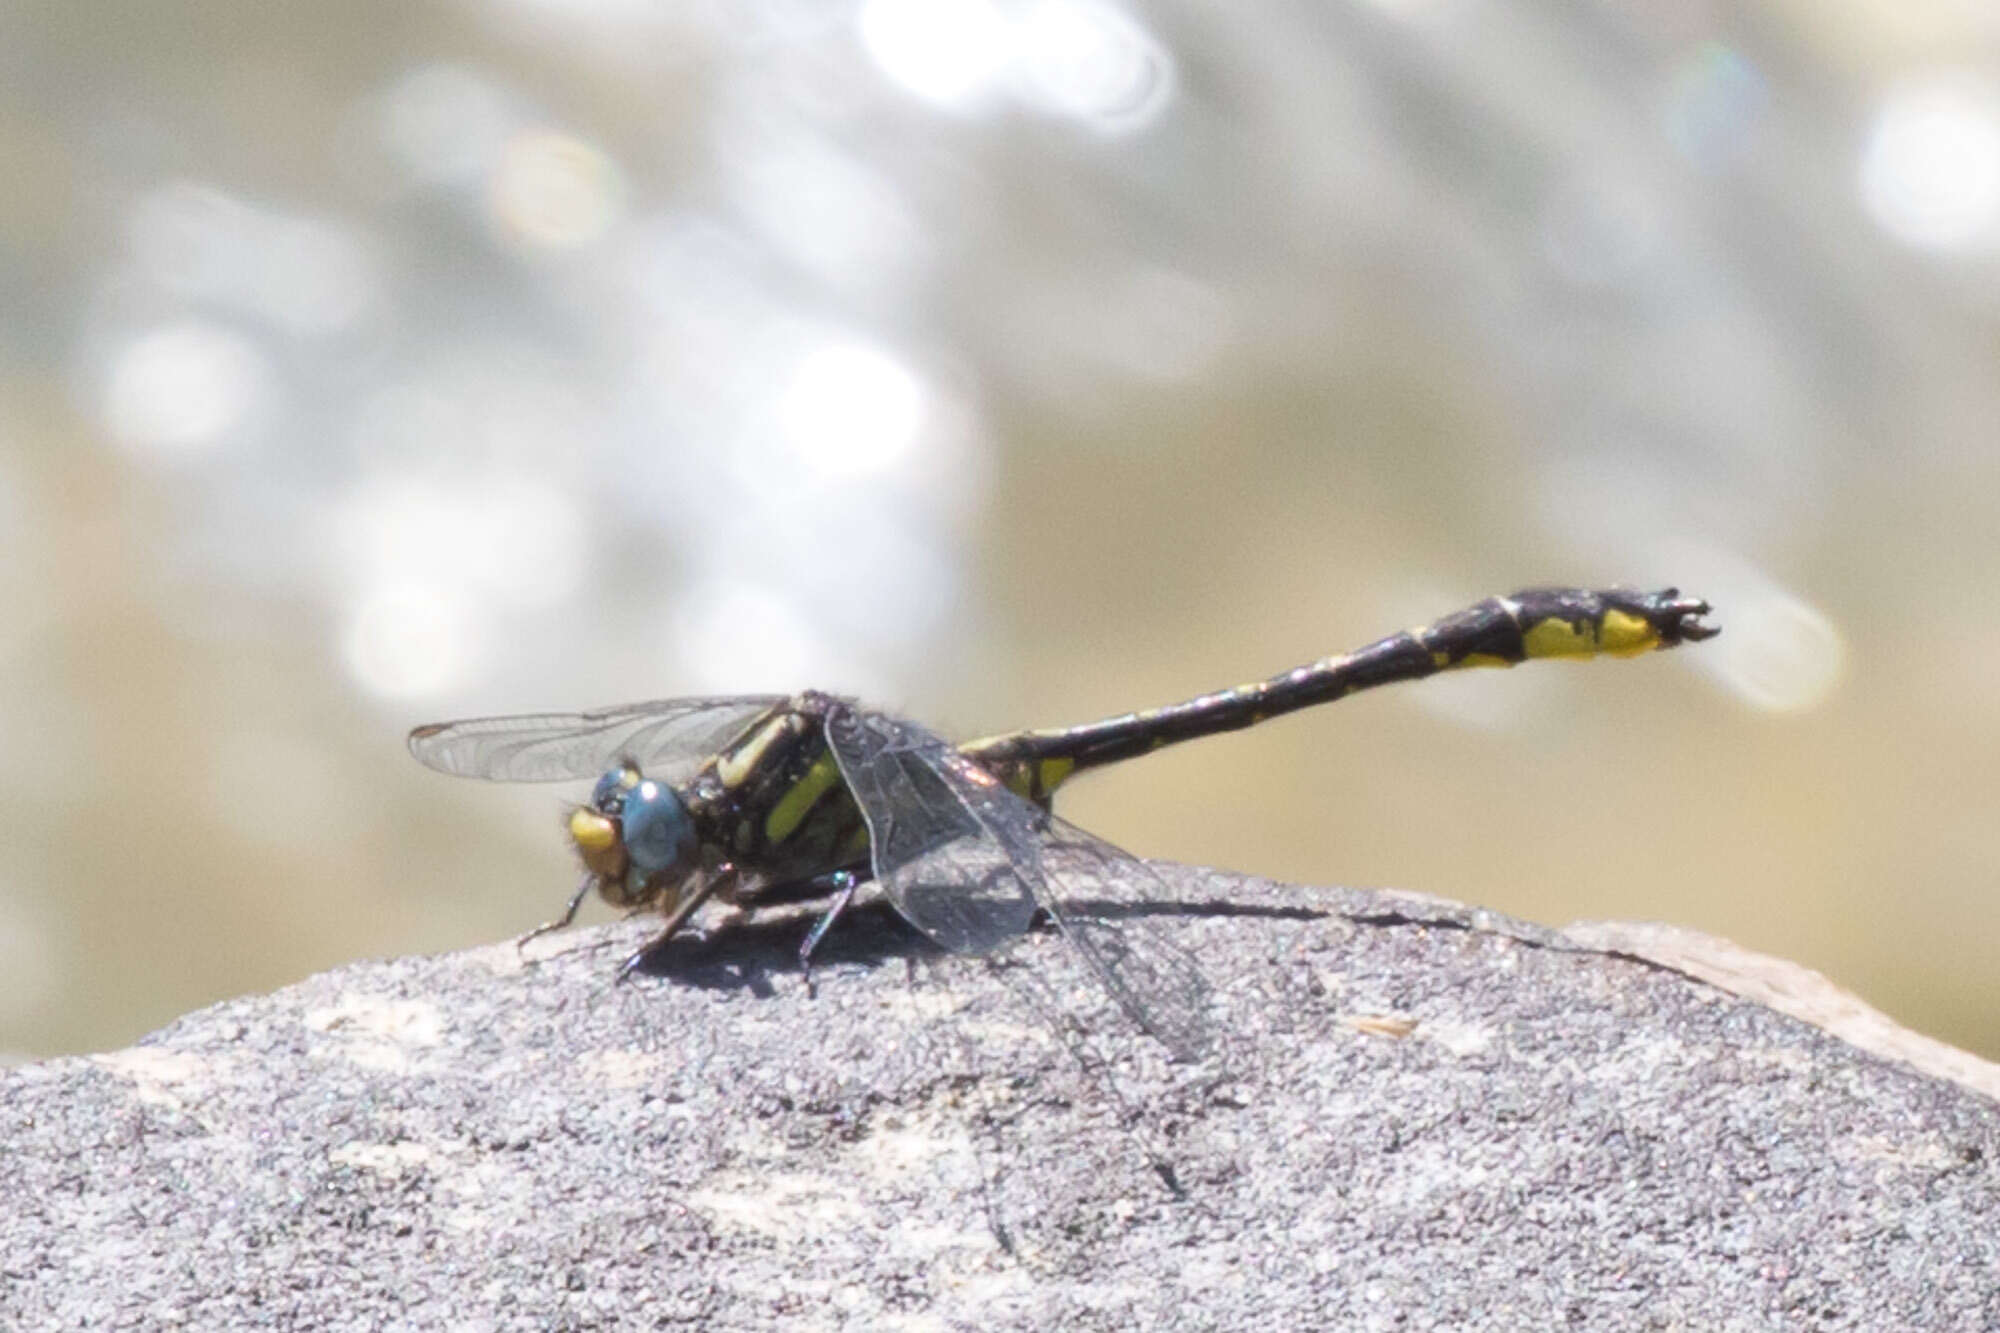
1422	1117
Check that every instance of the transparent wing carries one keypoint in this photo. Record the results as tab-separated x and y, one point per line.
967	861
1107	899
946	849
668	738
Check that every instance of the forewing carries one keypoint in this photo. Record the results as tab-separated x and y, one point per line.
668	738
967	861
954	857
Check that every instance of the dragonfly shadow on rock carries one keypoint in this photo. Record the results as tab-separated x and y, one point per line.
751	952
748	953
1126	910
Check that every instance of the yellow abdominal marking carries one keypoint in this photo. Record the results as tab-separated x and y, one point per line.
1484	660
1618	633
792	808
1556	637
1626	635
1054	771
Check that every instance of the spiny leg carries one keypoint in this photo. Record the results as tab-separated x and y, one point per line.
841	884
569	913
678	918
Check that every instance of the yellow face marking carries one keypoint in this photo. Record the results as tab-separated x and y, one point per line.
591	831
736	767
791	809
596	839
1627	635
1054	772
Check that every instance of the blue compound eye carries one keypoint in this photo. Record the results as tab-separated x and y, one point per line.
658	833
608	796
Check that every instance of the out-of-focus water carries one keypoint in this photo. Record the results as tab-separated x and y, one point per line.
1006	363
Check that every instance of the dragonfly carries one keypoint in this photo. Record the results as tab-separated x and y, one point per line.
756	799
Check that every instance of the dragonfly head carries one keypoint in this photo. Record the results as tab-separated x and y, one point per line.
634	832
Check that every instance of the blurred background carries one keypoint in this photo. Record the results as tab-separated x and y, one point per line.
1008	362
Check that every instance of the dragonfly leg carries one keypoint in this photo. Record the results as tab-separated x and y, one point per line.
569	913
646	952
841	884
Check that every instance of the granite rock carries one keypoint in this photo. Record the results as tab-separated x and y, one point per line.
1418	1116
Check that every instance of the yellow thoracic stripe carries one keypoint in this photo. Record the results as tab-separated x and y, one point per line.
791	809
735	767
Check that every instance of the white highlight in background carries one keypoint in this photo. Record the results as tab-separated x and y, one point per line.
851	410
444	124
183	389
551	191
1930	170
503	540
410	640
1090	63
303	276
1083	60
732	634
950	53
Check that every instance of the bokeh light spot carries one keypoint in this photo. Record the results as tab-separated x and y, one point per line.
1093	64
303	276
182	389
408	640
444	125
502	540
948	52
1930	169
852	410
1715	101
554	192
736	635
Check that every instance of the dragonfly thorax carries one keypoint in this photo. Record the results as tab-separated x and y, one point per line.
634	832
